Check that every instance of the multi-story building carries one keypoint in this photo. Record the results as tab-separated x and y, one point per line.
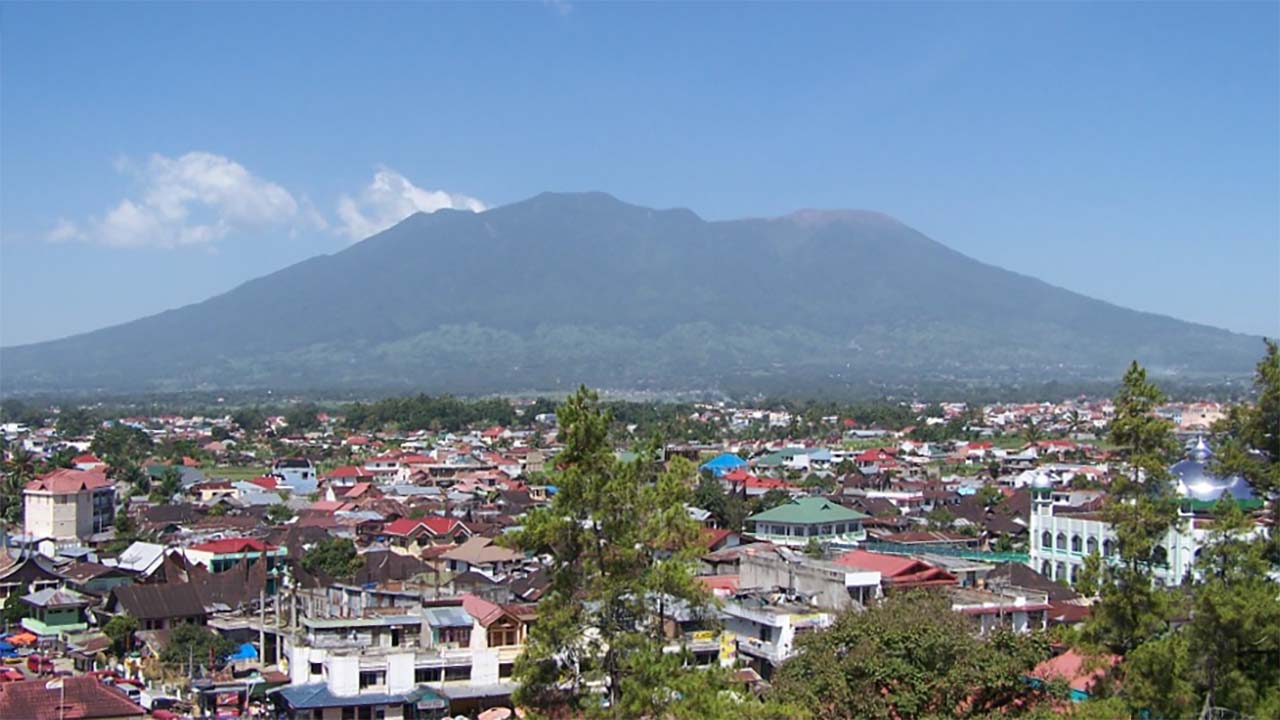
1063	535
413	661
68	506
766	623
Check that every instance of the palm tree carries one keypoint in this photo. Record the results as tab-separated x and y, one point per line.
1074	422
18	470
1031	431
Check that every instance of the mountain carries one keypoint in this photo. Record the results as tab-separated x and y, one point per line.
568	288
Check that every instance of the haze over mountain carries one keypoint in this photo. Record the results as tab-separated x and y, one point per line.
580	287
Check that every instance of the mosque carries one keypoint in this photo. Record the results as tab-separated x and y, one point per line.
1062	535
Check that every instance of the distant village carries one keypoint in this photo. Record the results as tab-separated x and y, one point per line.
186	566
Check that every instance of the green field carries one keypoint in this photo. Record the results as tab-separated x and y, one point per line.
235	473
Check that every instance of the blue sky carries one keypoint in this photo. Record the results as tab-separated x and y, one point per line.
152	155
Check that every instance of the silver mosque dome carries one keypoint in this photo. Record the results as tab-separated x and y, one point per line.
1195	481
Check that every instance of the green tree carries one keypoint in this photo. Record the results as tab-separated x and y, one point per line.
19	470
15	609
121	629
622	549
302	418
121	445
191	645
770	500
908	655
1140	510
335	557
249	419
170	482
75	422
1235	615
277	514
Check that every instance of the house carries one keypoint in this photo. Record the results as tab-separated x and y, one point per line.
25	574
159	606
220	555
95	579
1082	674
55	613
479	554
722	464
801	520
72	698
411	535
897	572
88	461
68	506
765	624
141	559
298	475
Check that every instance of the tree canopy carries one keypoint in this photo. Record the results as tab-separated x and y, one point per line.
908	655
622	550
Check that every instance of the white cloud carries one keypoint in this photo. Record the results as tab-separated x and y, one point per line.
192	200
390	198
63	231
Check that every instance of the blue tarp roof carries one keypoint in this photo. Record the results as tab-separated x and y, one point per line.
246	652
723	463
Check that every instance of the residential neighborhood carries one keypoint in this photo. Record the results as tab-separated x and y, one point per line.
211	568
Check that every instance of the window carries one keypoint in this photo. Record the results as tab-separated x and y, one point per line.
1075	543
506	669
457	672
366	713
1075	572
1062	541
1091	545
1108	548
317	668
426	675
502	636
372	677
1046	540
317	713
459	635
349	713
1061	572
1046	569
1160	555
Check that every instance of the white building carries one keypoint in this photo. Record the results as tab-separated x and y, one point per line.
68	506
1062	536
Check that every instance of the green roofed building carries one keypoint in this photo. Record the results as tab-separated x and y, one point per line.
808	518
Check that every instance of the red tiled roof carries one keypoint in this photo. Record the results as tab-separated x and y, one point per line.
85	459
234	545
482	610
66	481
80	698
329	505
346	471
265	481
896	570
711	537
1071	666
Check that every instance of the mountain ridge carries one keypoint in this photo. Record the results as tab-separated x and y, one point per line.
568	287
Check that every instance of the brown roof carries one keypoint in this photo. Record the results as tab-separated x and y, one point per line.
482	551
159	602
80	698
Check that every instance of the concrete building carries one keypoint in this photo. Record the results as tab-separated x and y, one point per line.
68	506
1062	535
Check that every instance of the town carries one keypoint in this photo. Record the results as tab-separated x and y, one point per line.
382	561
